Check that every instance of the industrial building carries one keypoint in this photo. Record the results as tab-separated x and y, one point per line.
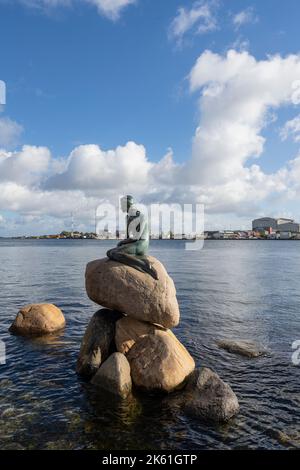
275	225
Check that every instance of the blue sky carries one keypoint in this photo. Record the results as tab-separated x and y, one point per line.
79	75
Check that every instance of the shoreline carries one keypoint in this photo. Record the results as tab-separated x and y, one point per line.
153	239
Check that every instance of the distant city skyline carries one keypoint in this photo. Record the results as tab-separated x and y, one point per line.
265	227
174	102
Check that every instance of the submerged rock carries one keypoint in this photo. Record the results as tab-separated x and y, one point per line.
209	398
59	445
38	319
12	446
6	383
129	330
244	348
159	362
98	342
114	375
9	412
123	288
287	440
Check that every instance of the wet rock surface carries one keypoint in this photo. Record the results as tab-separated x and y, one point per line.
123	288
129	330
98	342
209	398
38	319
114	375
159	362
244	348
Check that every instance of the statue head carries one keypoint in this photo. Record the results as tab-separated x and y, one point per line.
126	203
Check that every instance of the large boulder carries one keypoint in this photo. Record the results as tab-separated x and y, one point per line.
123	288
159	362
114	375
209	398
38	319
129	330
97	342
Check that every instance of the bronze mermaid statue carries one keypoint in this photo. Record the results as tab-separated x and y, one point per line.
133	250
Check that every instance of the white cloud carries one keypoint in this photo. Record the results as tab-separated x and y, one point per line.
27	200
26	166
199	19
109	8
246	16
92	169
10	132
291	128
46	4
240	44
238	93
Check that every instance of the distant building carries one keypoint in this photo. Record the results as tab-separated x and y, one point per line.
285	235
229	235
242	234
289	227
277	225
212	235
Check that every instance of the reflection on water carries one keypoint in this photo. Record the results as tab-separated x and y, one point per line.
230	289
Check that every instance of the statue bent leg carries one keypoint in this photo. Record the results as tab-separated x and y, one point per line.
132	254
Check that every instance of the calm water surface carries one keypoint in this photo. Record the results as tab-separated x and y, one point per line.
230	289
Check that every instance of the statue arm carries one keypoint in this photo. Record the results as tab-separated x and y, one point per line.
143	227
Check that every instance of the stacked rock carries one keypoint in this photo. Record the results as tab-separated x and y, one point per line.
130	339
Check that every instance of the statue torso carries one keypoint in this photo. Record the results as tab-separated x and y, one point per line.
137	225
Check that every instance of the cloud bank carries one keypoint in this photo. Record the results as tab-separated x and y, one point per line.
238	97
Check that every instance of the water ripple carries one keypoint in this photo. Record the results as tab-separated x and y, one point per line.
227	290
